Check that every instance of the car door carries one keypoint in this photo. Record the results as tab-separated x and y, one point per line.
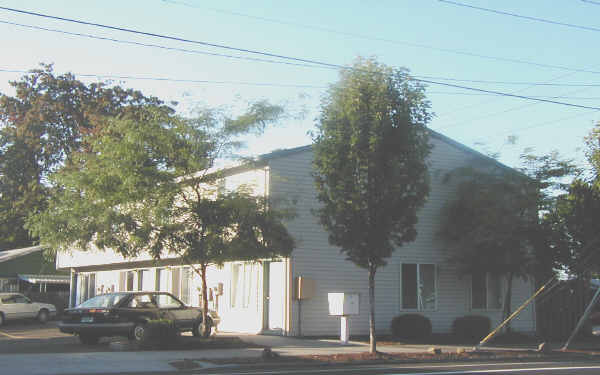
9	307
173	309
139	307
25	307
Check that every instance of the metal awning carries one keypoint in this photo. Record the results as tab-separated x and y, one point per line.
46	279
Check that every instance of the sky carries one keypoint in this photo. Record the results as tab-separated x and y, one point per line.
436	40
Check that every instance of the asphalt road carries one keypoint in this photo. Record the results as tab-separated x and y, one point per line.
33	337
523	368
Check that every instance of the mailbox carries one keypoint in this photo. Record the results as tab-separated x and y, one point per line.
304	288
342	304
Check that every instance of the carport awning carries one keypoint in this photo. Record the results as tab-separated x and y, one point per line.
46	279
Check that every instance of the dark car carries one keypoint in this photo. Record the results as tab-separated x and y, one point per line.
127	314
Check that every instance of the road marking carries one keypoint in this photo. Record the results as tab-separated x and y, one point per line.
11	336
391	367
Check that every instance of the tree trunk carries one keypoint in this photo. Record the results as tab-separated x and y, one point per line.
507	301
372	338
205	327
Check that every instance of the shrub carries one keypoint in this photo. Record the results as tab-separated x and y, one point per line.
411	326
471	327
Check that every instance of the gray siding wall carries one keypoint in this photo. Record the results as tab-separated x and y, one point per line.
315	258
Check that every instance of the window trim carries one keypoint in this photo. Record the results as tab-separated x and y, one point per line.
435	285
487	294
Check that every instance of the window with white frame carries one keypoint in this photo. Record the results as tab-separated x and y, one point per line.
486	291
419	286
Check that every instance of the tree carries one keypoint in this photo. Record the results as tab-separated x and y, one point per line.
370	170
550	177
574	219
491	224
576	225
145	185
40	126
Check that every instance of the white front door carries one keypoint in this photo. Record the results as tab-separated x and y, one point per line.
276	295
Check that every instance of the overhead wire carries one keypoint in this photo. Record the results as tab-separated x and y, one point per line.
176	80
283	57
390	41
512	109
516	15
91	36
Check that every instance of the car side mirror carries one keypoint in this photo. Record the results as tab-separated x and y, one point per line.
29	301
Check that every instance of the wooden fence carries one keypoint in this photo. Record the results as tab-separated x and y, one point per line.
559	311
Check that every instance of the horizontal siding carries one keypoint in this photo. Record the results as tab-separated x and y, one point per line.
315	258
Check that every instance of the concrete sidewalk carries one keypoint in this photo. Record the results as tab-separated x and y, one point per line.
145	361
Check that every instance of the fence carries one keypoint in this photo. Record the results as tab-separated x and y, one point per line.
559	312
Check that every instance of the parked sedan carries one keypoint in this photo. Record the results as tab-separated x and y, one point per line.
17	306
127	314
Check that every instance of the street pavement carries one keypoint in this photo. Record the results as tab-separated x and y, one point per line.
33	349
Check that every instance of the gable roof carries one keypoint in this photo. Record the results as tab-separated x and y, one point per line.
16	253
285	152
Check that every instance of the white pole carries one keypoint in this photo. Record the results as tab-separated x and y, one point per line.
344	329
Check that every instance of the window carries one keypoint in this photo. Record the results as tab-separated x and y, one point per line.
418	286
486	291
130	277
241	285
106	300
166	301
186	276
146	281
142	301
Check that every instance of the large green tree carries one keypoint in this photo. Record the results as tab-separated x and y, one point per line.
491	224
370	153
575	219
45	120
147	184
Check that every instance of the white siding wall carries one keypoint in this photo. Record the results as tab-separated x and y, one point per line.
315	258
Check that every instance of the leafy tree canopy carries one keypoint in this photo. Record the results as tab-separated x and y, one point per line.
490	222
146	184
46	120
370	153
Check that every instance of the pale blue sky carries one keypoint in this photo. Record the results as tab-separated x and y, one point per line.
389	30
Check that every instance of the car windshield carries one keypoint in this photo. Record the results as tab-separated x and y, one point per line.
106	300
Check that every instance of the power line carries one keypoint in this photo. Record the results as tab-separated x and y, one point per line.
165	79
283	57
532	96
91	36
588	28
516	83
468	121
172	38
386	40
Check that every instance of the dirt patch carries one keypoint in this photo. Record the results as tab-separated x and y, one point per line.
425	357
185	364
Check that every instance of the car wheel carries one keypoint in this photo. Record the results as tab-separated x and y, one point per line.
88	339
140	333
42	316
198	330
